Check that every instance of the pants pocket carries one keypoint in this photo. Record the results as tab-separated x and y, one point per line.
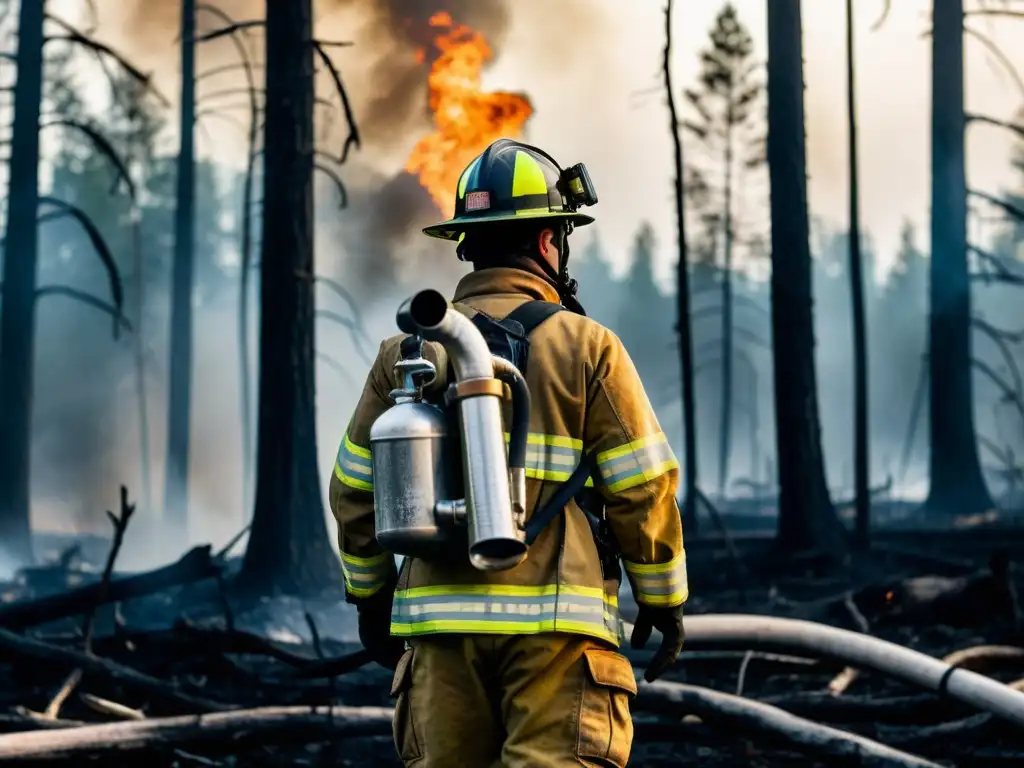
605	727
403	727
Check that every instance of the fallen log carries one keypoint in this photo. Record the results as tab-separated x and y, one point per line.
920	709
747	718
195	565
959	601
747	632
104	670
277	724
984	658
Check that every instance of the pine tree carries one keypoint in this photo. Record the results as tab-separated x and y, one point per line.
727	122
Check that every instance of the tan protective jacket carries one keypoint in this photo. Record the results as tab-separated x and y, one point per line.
586	396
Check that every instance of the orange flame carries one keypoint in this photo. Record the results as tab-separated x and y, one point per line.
466	120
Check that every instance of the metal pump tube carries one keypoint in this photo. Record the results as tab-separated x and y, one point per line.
495	542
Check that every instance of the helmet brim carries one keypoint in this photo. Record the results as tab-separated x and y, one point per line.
453	228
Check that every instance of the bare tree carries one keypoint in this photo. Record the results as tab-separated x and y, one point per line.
288	546
807	519
861	461
17	311
683	327
957	484
179	398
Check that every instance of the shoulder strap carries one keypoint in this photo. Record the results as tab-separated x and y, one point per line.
533	313
562	496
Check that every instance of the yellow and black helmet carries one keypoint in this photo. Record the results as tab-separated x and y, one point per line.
511	181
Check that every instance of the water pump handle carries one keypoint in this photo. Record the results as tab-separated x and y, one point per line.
413	370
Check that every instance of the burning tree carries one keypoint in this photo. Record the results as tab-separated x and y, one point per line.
807	519
727	125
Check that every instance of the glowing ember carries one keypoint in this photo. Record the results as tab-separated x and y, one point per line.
466	119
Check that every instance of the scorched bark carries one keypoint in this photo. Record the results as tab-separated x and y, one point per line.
288	547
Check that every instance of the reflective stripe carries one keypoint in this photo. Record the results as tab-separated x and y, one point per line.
505	609
365	576
551	457
528	176
464	179
659	583
353	466
635	463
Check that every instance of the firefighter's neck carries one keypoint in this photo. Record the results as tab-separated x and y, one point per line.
521	261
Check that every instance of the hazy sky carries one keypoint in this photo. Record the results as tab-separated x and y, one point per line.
590	112
601	104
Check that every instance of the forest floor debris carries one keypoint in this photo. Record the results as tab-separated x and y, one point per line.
183	677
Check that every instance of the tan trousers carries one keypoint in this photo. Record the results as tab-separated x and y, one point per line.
528	701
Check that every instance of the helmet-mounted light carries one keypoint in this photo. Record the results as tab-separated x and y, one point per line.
576	185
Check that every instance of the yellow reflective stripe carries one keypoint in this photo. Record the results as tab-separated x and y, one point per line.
505	609
366	562
636	463
507	590
527	176
464	178
354	466
363	453
364	576
659	583
352	482
533	212
552	457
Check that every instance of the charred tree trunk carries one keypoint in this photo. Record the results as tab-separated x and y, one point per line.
861	461
17	310
957	485
288	546
725	421
682	297
179	398
807	519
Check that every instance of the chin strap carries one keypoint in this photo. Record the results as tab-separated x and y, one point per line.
567	286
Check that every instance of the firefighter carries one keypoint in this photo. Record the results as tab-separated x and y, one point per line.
520	667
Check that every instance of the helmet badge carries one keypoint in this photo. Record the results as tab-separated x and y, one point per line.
478	201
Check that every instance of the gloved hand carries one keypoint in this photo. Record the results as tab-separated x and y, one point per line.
668	621
375	626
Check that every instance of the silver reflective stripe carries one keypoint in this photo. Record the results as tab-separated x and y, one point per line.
551	457
659	584
635	463
455	609
353	465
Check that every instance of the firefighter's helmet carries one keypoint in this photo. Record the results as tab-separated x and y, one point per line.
512	181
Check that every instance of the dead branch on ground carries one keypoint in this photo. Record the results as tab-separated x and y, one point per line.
755	718
281	724
195	565
30	649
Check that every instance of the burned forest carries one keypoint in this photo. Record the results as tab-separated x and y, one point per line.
809	239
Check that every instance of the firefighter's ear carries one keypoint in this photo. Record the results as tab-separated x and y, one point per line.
546	246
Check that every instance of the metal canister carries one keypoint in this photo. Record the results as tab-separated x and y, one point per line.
413	470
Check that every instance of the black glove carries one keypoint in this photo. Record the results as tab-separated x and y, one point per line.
668	621
375	625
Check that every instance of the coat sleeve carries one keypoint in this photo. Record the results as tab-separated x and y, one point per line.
638	476
366	566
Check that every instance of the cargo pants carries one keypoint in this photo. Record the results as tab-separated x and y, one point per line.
526	701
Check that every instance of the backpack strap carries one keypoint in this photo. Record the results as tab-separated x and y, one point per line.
533	313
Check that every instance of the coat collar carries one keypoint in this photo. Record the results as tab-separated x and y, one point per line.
507	281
